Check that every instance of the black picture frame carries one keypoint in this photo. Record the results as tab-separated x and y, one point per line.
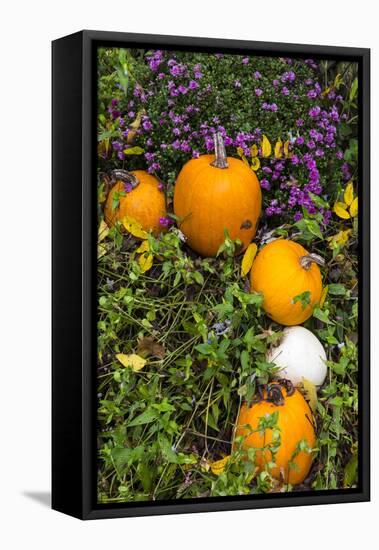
74	275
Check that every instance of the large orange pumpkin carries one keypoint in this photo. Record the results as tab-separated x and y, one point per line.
214	193
295	423
283	270
144	202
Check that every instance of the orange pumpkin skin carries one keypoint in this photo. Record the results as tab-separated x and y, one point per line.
145	203
208	199
295	424
278	274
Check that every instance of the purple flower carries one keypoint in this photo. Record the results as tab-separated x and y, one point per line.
257	75
115	102
245	61
285	90
265	184
314	111
299	122
195	154
299	140
275	82
312	94
116	145
258	92
165	222
297	216
288	76
128	187
193	85
176	131
146	124
160	186
274	107
339	155
237	84
176	144
121	155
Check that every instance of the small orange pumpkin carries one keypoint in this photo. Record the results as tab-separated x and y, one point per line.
214	193
295	423
282	271
145	202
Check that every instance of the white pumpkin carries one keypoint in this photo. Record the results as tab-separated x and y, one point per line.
299	355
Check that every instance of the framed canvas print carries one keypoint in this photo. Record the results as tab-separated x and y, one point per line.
210	274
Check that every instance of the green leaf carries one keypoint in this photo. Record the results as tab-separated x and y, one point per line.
351	471
134	150
337	289
353	89
144	418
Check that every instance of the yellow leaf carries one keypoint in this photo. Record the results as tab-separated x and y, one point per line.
103	231
323	296
310	393
337	81
255	164
248	259
240	154
135	362
144	247
348	195
339	239
101	250
354	208
219	466
286	149
278	149
340	210
134	227
134	150
326	91
266	147
145	262
254	151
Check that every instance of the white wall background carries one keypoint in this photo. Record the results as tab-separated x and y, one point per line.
26	31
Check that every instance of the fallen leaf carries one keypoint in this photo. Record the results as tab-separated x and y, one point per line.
144	247
340	210
254	150
135	362
310	393
134	150
266	147
339	239
134	227
101	250
323	296
145	262
278	149
248	259
242	156
348	195
354	208
255	164
218	466
103	231
286	150
149	346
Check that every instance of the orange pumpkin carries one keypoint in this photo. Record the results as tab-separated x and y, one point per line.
145	202
295	423
214	193
282	271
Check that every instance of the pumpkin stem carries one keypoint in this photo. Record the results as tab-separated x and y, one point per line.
272	393
220	153
125	176
306	261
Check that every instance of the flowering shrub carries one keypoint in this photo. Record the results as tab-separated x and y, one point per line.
175	102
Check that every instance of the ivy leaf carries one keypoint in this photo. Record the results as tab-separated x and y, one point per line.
255	164
310	393
354	208
134	227
278	149
349	193
218	466
248	259
133	361
340	209
145	262
266	147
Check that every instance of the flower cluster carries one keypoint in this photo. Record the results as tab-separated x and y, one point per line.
179	100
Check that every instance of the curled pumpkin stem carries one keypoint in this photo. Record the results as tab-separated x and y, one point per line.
272	393
125	176
220	152
306	261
